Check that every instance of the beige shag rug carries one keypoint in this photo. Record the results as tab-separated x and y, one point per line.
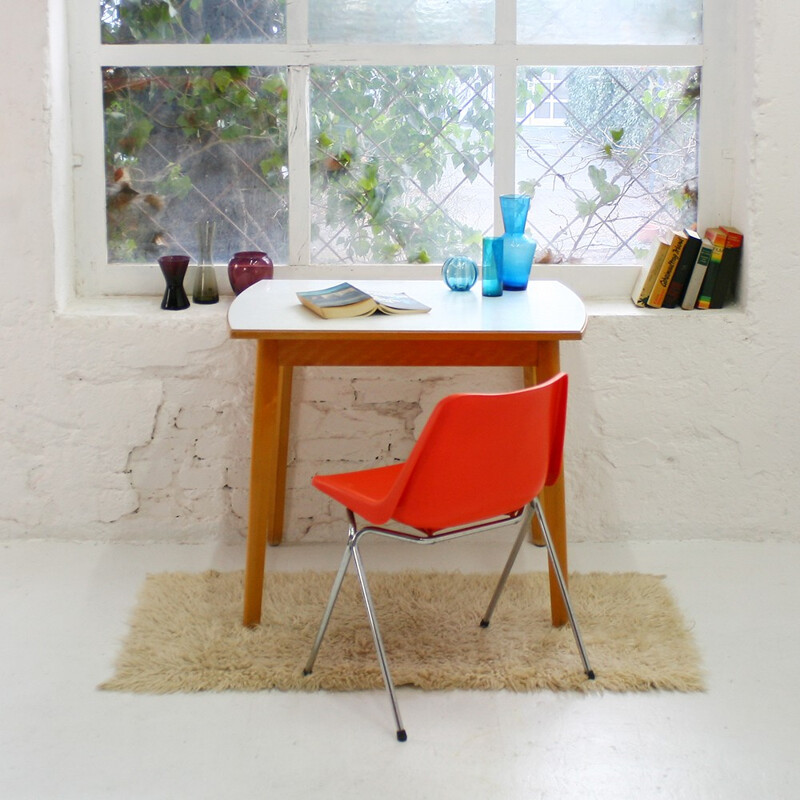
186	635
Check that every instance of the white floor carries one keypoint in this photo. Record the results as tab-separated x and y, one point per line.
63	611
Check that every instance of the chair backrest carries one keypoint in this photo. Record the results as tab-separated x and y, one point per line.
482	455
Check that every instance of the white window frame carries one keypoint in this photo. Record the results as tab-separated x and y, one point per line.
93	276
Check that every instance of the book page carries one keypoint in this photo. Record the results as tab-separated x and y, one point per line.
399	301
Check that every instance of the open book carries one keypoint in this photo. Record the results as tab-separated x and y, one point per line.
345	300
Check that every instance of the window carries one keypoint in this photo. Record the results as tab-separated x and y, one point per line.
376	132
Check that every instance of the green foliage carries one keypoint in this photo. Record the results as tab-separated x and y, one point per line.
633	133
530	89
131	21
174	136
385	140
612	101
175	183
607	192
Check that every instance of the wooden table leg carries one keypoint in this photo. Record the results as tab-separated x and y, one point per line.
267	473
283	412
553	500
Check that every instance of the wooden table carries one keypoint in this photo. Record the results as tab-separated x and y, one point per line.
521	329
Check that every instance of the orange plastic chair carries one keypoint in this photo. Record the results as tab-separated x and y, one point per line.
480	462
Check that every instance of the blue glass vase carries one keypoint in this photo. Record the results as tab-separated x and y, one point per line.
460	273
492	274
518	249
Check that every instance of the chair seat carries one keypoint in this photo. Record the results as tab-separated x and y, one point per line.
364	491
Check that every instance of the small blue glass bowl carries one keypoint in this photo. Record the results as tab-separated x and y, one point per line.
460	273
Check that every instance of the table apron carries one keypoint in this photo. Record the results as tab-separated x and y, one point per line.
412	353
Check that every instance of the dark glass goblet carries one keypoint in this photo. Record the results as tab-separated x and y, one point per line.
174	270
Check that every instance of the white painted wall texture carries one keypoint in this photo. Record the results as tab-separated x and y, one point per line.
135	426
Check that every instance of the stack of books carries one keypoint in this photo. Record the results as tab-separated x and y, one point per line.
690	271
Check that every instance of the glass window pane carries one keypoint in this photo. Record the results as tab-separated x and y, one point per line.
401	163
407	21
183	144
134	21
620	22
612	160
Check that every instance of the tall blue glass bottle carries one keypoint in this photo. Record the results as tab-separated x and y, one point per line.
492	271
518	249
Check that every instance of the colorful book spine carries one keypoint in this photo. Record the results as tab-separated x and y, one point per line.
683	271
673	257
728	276
698	274
649	272
717	238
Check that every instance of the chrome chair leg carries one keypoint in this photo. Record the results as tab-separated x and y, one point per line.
562	586
334	595
376	635
352	552
487	617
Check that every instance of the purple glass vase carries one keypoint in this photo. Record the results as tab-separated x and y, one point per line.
173	269
247	268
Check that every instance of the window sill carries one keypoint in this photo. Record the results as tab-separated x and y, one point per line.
625	308
140	307
136	282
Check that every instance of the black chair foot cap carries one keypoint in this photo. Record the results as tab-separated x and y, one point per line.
306	672
484	623
590	674
401	735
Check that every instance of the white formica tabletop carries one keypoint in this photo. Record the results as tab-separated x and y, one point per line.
547	308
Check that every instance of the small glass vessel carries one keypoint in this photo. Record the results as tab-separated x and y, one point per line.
205	280
173	269
518	249
492	275
460	273
248	267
